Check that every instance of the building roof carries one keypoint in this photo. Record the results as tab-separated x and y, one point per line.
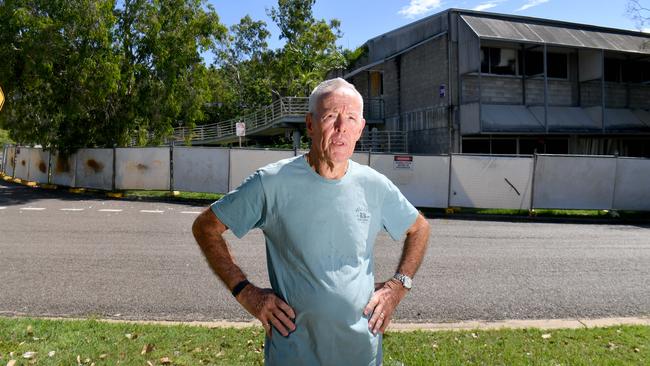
504	27
572	35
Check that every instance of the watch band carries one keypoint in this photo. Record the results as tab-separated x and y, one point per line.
406	281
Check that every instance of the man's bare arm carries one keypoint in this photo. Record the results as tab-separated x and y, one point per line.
261	303
389	294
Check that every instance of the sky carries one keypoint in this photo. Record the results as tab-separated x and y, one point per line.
362	20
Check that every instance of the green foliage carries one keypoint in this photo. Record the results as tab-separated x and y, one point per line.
4	137
310	51
89	73
102	73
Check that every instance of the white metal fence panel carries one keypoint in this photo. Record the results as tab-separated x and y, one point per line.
245	162
39	162
361	158
423	181
574	182
21	170
10	154
64	169
94	168
201	169
491	182
632	187
142	168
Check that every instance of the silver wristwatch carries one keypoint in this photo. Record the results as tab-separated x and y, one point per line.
406	281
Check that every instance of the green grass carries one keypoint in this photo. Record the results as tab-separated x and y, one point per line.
184	345
168	195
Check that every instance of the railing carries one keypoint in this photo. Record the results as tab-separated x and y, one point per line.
383	141
373	108
264	117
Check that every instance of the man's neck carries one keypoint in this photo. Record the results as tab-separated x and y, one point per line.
325	168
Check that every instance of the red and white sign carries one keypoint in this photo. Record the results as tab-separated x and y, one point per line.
403	162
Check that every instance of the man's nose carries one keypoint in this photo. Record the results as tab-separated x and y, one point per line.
340	124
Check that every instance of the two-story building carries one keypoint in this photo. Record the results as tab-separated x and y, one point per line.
475	82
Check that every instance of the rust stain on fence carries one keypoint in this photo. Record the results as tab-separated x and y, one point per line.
142	167
42	166
22	162
95	165
62	165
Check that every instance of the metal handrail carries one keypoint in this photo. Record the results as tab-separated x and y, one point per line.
263	117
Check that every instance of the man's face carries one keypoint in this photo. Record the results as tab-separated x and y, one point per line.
336	125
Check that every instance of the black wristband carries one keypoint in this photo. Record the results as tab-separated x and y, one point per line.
239	287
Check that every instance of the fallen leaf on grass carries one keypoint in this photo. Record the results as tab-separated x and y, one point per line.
546	335
11	363
474	335
103	356
146	349
29	355
165	361
131	336
30	330
51	354
78	360
221	354
149	363
637	350
611	345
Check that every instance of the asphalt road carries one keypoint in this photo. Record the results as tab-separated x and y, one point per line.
69	255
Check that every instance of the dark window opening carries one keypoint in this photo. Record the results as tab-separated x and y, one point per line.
613	70
476	146
499	61
505	146
557	64
636	72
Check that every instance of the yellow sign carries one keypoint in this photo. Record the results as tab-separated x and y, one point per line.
2	99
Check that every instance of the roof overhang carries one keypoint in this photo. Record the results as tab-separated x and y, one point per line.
562	34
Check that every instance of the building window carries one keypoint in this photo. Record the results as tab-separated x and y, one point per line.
558	64
613	70
498	61
636	72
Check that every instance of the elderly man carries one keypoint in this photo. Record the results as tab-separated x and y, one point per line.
320	214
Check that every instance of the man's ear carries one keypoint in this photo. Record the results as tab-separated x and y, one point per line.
363	125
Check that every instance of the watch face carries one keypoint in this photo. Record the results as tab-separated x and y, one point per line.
407	282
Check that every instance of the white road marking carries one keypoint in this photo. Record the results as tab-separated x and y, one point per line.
33	208
151	211
191	212
71	209
110	210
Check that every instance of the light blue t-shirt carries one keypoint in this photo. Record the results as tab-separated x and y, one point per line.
320	236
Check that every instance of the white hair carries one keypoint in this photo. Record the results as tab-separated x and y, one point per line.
327	87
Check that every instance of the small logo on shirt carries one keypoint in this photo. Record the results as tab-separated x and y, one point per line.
362	215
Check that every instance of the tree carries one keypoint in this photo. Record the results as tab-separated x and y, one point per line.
639	13
310	50
88	73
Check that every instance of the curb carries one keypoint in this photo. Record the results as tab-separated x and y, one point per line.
544	324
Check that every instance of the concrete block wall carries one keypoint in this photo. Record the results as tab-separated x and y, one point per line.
640	96
391	87
615	95
496	89
560	92
360	82
423	70
590	94
431	141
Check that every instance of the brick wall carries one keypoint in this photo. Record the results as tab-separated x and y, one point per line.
560	92
423	70
640	96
